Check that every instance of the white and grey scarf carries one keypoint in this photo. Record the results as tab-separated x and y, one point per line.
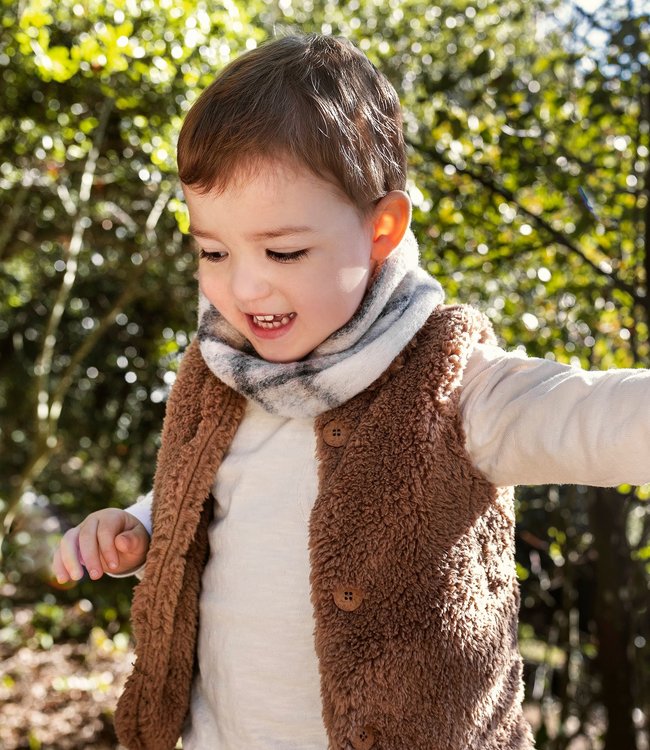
397	304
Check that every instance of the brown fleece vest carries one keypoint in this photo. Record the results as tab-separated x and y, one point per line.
412	570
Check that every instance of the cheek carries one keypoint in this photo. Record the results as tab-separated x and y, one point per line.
212	288
207	281
352	280
336	297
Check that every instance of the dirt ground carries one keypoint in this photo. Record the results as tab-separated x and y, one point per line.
63	698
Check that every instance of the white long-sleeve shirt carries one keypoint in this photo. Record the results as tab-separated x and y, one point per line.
527	421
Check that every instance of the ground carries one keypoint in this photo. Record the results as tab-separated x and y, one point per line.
63	697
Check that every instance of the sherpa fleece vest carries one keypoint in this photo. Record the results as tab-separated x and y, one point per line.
412	572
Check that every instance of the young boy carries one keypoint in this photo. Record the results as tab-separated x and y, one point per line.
331	555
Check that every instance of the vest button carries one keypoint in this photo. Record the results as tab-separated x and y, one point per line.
347	598
335	433
362	738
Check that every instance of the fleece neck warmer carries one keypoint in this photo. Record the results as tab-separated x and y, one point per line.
399	301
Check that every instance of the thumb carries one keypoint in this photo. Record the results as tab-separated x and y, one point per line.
128	541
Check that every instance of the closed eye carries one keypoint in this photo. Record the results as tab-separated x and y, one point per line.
216	256
213	257
286	257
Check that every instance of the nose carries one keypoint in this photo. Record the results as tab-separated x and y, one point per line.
249	283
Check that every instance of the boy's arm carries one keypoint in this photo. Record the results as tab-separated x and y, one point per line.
534	421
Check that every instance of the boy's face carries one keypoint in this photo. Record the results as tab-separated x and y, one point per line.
284	258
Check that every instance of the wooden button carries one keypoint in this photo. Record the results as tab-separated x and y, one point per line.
363	738
335	433
347	598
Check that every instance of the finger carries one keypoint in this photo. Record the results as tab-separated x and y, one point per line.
104	565
130	542
89	548
107	550
70	556
124	542
133	546
58	569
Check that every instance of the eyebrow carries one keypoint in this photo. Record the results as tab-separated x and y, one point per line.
267	234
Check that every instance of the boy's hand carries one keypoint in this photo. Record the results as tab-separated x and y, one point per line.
107	541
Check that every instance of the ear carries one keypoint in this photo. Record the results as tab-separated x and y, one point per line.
390	220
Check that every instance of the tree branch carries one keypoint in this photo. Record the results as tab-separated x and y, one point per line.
539	221
154	216
591	18
120	215
129	294
50	409
66	199
43	364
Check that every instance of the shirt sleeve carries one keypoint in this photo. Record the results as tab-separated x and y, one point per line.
142	511
534	421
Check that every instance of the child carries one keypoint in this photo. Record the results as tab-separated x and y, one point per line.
331	560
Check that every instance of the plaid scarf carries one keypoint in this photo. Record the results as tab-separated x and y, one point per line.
395	307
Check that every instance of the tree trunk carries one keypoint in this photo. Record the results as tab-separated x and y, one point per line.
608	513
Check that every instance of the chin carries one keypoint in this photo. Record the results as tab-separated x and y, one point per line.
277	359
280	359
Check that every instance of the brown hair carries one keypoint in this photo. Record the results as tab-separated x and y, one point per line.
314	100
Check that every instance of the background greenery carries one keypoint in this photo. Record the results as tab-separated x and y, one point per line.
528	125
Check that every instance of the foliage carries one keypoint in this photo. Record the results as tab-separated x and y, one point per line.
529	136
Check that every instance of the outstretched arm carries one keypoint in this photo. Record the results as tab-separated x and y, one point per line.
534	421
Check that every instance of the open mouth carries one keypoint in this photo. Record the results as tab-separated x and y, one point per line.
273	321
